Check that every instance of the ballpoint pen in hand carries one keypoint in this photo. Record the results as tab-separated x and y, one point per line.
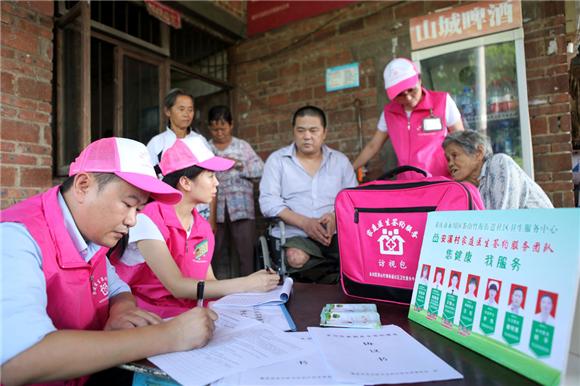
270	270
200	287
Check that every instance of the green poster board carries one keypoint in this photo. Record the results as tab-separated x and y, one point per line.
449	307
421	295
516	293
488	319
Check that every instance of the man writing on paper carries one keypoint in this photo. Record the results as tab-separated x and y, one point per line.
299	184
59	291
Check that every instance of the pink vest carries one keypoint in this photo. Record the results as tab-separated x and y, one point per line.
77	291
191	254
412	145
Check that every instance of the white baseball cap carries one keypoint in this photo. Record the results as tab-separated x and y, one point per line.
400	74
191	151
127	159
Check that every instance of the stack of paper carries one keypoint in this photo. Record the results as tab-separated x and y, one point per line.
276	315
238	344
372	357
307	370
351	357
265	307
279	295
246	352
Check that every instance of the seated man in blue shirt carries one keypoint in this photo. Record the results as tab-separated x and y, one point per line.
57	283
299	185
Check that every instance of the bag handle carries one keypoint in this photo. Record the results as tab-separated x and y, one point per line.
402	169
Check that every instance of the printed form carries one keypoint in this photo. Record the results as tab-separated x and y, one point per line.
238	344
306	370
371	357
274	315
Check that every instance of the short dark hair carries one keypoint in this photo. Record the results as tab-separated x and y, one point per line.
172	95
191	172
310	111
102	180
219	113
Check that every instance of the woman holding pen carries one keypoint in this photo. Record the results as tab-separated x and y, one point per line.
170	248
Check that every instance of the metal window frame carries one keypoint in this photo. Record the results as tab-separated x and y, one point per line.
516	36
80	10
124	45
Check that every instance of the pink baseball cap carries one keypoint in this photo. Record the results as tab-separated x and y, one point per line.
400	75
192	151
127	159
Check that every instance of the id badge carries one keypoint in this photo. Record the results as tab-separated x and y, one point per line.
432	124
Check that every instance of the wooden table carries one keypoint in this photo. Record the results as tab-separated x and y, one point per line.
307	301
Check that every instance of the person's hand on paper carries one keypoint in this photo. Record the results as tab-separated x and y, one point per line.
192	329
261	281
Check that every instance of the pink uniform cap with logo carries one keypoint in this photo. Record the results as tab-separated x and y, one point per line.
400	75
127	159
191	151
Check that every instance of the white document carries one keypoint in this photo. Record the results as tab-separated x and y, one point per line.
274	315
371	357
238	344
308	369
279	295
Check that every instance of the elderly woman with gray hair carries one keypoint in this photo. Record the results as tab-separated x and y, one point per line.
501	182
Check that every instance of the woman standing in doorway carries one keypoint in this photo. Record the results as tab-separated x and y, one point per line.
178	107
235	213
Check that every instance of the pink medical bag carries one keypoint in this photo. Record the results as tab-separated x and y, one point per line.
380	228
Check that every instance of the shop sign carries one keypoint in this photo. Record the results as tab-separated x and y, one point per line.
164	13
264	15
465	22
510	283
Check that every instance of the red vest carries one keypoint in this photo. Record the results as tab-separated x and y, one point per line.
77	291
414	146
192	255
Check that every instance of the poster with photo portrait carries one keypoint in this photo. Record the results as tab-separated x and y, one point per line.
454	281
425	271
439	277
546	303
492	292
517	299
472	286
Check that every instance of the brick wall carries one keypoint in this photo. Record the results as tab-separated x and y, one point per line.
547	66
280	70
26	93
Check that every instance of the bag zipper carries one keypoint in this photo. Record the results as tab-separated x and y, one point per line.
398	186
413	185
413	209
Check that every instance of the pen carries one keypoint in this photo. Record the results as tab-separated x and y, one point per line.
200	287
270	270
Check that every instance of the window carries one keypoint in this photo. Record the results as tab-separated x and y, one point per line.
114	65
486	78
